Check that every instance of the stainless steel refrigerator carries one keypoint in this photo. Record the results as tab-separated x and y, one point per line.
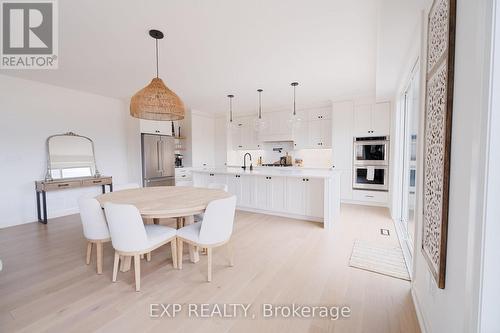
158	160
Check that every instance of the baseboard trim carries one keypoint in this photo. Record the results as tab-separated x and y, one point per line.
365	203
407	252
292	216
420	317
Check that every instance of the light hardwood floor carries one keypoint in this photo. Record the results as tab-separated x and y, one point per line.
45	285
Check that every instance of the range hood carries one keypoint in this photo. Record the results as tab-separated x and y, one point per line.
278	138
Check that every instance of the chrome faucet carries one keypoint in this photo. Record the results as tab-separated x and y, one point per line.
244	167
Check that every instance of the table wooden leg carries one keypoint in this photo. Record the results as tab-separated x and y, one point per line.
193	250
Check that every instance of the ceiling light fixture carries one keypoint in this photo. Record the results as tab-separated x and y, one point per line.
260	124
294	120
230	123
156	101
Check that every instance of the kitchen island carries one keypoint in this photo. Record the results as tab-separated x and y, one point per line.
305	194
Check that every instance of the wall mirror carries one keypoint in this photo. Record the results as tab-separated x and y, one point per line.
70	155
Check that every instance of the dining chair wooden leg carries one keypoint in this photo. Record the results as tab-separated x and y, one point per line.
230	252
173	249
137	271
115	266
99	257
209	260
194	255
148	256
179	253
127	260
89	253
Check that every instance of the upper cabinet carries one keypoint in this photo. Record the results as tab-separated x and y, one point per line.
277	128
313	131
372	119
243	134
320	133
155	127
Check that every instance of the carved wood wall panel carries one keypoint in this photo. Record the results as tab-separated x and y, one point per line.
437	136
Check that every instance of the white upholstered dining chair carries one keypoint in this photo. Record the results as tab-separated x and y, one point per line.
131	238
95	228
213	186
214	230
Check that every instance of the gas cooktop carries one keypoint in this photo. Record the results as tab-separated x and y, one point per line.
277	165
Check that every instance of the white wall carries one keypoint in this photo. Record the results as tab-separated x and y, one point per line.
221	142
202	139
29	113
454	309
490	293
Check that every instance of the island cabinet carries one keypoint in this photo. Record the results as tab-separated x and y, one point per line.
269	193
241	187
305	196
203	179
301	197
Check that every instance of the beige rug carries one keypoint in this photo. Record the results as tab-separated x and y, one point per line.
375	258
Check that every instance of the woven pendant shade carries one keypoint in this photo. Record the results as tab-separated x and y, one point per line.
156	102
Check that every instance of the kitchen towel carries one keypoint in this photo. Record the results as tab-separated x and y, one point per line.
370	173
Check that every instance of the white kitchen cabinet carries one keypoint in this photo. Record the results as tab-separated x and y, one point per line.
261	197
277	127
363	119
243	134
320	113
247	199
381	119
269	193
216	178
320	133
234	186
310	198
301	131
375	197
242	187
372	119
314	192
155	127
200	179
343	126
277	194
295	197
304	196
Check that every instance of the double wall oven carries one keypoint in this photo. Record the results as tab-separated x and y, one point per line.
371	163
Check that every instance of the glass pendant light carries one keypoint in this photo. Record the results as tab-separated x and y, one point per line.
156	101
230	123
294	121
260	124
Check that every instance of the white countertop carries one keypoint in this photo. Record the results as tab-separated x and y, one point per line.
272	171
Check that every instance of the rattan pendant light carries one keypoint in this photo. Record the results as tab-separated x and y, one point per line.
156	101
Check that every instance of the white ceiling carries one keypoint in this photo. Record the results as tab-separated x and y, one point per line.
213	48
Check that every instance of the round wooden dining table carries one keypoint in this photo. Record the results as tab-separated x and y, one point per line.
166	202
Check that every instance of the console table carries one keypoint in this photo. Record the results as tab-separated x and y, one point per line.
44	186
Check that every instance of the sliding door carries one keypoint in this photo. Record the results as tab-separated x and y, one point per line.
411	109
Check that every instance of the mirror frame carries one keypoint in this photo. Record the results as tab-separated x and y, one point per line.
48	176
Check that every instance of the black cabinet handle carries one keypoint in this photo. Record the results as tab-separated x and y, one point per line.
62	185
